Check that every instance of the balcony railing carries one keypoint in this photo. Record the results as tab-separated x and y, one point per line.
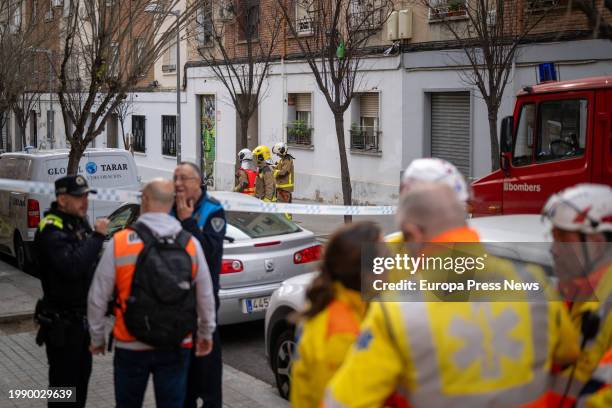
450	9
365	139
299	134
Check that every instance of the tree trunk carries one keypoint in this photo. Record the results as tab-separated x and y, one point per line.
494	141
243	142
345	176
76	152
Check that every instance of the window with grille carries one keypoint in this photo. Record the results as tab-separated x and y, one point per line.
169	135
441	9
365	135
204	24
249	20
304	16
169	59
138	132
299	126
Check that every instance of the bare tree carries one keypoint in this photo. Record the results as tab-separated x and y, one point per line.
19	38
107	47
595	12
124	109
489	36
341	31
240	62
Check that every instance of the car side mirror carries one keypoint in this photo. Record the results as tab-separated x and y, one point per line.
507	126
504	163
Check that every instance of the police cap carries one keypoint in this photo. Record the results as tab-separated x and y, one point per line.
73	185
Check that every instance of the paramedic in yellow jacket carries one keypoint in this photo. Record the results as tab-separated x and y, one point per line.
333	315
283	173
264	184
453	354
581	218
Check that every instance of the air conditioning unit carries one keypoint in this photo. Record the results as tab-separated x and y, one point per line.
57	3
392	24
405	24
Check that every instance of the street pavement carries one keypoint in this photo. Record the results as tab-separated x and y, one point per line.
248	381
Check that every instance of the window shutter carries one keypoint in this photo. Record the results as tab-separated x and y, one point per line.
369	104
302	102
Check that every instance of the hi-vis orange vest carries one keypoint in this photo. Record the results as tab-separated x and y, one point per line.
127	248
252	176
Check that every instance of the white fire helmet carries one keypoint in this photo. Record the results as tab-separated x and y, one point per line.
585	208
280	149
245	154
436	170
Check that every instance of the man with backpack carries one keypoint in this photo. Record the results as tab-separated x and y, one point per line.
161	285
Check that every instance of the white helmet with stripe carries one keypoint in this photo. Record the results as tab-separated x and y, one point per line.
585	208
436	170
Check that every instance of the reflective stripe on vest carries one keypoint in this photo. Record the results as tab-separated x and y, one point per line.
485	354
127	248
251	176
50	219
289	184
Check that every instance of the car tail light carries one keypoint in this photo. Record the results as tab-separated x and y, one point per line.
309	254
33	213
231	266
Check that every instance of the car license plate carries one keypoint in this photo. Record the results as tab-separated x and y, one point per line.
255	304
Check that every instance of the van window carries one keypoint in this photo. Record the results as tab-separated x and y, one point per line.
562	129
525	131
9	168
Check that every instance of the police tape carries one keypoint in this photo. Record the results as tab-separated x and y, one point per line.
238	202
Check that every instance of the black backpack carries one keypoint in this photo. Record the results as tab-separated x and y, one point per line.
161	309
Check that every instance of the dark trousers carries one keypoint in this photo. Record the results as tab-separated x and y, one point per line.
204	379
169	369
70	365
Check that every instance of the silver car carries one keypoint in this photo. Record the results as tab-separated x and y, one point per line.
260	251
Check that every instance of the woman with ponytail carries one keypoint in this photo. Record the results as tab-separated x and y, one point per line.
334	311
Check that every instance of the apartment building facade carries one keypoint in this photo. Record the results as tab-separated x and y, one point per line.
412	101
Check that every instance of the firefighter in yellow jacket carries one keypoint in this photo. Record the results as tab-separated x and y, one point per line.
334	314
453	354
581	218
283	173
264	184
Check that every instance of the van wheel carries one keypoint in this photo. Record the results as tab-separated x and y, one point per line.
20	254
284	354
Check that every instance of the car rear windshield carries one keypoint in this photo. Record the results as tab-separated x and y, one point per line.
259	225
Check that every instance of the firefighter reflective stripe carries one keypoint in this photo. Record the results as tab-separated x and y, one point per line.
287	185
50	219
602	396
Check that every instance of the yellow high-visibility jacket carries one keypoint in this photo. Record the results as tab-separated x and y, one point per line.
323	341
456	354
593	354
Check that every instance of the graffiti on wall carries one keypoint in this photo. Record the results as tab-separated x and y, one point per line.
208	126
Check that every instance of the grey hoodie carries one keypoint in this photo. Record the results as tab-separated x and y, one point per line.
101	290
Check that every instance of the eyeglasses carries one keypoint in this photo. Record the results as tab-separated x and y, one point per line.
183	179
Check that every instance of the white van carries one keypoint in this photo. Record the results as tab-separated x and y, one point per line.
20	213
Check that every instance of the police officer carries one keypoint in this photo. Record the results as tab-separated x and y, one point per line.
67	253
265	188
203	217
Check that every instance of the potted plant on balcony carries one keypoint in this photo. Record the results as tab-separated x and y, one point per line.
299	132
456	8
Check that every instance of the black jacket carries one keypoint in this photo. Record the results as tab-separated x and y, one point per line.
68	251
208	225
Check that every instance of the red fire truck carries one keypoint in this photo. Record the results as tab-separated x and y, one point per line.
560	135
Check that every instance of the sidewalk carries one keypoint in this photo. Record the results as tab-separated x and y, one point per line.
23	366
19	293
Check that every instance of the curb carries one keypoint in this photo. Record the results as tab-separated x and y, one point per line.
16	317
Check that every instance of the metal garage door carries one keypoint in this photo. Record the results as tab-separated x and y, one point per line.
450	128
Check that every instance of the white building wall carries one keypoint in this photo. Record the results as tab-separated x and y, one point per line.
404	119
